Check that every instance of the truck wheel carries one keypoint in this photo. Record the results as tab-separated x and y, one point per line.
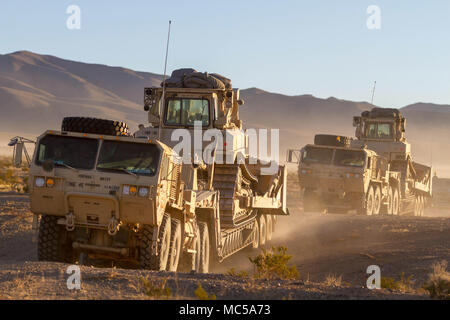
262	230
377	201
175	245
191	261
421	206
370	201
148	259
95	126
53	244
395	202
417	206
204	248
255	243
269	222
390	198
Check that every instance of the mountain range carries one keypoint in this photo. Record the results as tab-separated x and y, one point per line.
37	91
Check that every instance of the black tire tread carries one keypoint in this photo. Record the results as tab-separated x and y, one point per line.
95	126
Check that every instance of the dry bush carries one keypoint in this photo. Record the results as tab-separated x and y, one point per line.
156	289
438	284
333	280
201	293
405	284
272	264
234	273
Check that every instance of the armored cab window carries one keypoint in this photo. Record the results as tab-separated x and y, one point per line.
184	112
78	153
349	158
378	130
134	158
317	155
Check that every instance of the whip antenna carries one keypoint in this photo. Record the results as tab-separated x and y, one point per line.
373	92
164	83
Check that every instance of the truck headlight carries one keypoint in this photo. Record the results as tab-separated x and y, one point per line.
143	192
126	190
39	182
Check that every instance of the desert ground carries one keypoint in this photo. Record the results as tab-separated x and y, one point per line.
330	251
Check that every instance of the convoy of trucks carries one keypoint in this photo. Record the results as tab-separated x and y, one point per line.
371	174
100	191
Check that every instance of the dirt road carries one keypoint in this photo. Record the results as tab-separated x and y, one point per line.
321	245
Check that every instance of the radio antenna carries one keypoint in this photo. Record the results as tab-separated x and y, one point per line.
164	83
373	92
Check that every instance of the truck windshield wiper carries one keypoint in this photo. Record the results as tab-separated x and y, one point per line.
124	170
61	163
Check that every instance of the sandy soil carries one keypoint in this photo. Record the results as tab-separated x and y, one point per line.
321	245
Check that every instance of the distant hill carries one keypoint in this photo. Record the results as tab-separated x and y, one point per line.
37	91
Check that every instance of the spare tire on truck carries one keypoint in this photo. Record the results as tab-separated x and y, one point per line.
95	126
331	140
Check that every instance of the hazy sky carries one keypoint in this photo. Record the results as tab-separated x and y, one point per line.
322	48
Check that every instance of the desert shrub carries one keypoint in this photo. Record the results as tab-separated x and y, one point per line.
156	289
438	285
272	264
404	284
201	293
234	273
333	280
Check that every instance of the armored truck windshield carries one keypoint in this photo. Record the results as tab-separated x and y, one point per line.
137	158
378	130
185	111
349	158
317	155
78	153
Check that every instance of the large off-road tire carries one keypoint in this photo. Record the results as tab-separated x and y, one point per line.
255	231
395	202
331	140
175	245
262	230
377	200
53	243
205	248
191	261
366	206
390	201
269	223
419	206
96	126
148	259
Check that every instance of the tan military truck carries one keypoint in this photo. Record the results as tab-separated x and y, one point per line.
337	178
383	131
102	192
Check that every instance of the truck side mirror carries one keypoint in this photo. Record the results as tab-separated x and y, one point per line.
356	121
293	156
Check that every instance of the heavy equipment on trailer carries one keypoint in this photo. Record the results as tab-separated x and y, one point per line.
383	131
103	192
372	174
